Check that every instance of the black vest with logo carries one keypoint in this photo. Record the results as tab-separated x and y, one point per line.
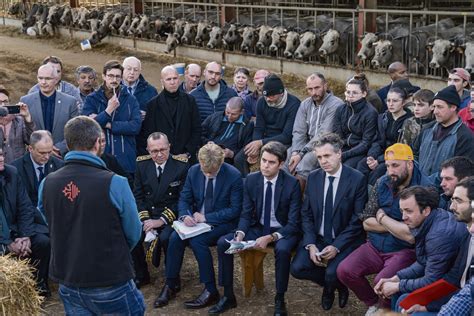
88	245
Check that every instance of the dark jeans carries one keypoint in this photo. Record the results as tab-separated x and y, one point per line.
122	299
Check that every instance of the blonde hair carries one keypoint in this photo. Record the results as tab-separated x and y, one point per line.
211	156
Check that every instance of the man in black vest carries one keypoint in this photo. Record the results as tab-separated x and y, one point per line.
158	181
93	224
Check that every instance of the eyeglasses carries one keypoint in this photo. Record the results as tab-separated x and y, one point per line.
457	200
110	76
352	93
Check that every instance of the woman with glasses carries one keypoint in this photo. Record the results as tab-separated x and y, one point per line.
241	79
356	123
389	125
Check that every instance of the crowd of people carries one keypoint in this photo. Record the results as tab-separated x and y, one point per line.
372	182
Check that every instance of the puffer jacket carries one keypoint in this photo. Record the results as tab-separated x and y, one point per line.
205	104
125	122
435	256
144	93
356	123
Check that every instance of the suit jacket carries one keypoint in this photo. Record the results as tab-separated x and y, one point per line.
26	170
152	195
227	195
65	109
287	203
184	134
351	196
17	207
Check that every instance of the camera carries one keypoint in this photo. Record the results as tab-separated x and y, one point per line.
13	109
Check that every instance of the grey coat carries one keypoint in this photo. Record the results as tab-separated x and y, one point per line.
65	109
18	138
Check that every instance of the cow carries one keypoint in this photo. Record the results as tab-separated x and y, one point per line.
18	9
172	41
232	37
249	38
123	29
144	28
162	26
309	43
202	33
179	27
292	42
132	30
215	38
367	48
95	36
264	37
278	38
33	15
82	18
116	22
66	18
468	50
441	50
336	41
189	33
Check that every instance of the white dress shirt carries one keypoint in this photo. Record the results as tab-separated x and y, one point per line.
162	168
35	166
335	184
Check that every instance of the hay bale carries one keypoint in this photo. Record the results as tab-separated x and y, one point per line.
18	294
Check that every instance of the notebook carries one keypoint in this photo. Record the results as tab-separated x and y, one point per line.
186	232
428	294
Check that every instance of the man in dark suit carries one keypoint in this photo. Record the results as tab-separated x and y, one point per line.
19	235
335	196
37	163
271	214
212	194
51	109
158	181
174	113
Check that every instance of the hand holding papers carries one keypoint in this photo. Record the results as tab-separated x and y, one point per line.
186	232
237	246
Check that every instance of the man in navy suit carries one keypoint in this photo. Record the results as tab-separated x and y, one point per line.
212	194
335	196
271	214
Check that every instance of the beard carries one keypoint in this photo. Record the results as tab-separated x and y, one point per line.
396	181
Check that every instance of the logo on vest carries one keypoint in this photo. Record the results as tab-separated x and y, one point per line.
71	191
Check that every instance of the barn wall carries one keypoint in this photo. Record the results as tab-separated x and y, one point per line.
298	68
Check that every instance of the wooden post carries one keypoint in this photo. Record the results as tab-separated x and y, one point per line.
74	3
138	6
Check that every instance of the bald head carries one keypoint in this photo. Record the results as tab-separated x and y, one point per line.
234	109
212	75
397	70
47	79
259	78
192	76
170	79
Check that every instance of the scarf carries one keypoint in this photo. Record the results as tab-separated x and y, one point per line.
281	103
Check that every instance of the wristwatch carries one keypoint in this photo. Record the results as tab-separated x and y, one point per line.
275	237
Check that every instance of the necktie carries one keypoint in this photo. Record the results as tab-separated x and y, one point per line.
328	206
160	172
209	198
130	90
268	209
41	174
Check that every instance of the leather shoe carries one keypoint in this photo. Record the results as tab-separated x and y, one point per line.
327	299
165	296
343	296
223	305
141	282
204	299
280	307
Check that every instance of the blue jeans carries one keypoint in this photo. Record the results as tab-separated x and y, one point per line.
398	308
123	299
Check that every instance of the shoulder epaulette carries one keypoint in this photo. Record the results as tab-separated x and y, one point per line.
180	158
144	157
